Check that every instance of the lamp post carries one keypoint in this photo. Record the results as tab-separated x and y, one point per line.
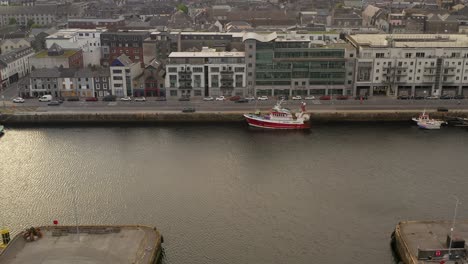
457	202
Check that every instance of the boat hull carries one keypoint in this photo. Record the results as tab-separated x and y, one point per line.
259	122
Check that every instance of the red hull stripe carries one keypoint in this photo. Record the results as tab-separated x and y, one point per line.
271	125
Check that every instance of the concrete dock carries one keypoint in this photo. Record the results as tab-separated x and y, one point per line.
424	242
160	117
94	244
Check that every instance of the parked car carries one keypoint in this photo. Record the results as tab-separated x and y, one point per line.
125	99
325	97
184	98
242	100
91	99
234	98
442	109
459	96
140	99
109	98
310	97
73	99
297	97
162	98
209	98
45	98
432	97
403	97
262	98
53	103
220	98
446	96
188	110
342	97
284	97
250	98
18	100
359	97
419	97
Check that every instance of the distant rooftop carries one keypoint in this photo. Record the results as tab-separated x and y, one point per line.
207	54
411	40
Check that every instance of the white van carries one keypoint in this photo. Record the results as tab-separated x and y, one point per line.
46	98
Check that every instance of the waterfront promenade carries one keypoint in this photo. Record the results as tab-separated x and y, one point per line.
374	109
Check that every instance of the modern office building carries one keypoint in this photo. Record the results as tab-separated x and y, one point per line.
413	65
297	66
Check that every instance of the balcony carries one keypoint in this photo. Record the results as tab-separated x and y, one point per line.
430	74
226	71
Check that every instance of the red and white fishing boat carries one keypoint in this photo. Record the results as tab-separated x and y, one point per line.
280	118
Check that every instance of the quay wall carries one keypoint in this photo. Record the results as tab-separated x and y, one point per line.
208	117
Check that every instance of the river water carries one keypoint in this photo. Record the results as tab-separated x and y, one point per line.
229	194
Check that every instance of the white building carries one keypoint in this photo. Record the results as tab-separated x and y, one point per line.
14	65
88	40
414	65
123	72
206	73
7	45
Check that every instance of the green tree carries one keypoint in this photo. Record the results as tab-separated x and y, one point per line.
183	8
12	21
30	23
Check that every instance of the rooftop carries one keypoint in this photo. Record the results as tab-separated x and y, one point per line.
411	40
94	245
207	54
66	54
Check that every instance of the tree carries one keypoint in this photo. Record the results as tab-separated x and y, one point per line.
12	21
30	23
182	8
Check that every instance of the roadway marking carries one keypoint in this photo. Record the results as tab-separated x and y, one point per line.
315	102
112	104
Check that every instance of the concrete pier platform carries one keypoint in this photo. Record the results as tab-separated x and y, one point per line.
93	245
427	242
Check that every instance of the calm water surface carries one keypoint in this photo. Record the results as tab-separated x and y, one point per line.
227	194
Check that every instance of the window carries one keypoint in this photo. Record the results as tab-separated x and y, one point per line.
173	93
104	86
420	55
215	69
116	71
197	92
380	55
417	78
408	55
376	78
250	65
172	69
117	78
250	46
377	71
351	55
98	86
197	69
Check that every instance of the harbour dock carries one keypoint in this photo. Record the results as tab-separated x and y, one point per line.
91	244
424	242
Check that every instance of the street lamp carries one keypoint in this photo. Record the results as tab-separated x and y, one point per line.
457	202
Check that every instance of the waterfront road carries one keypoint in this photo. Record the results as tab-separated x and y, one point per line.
375	103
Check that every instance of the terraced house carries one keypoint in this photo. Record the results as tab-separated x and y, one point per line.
296	66
14	65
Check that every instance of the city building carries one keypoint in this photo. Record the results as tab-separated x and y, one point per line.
56	56
86	40
92	23
7	45
413	65
14	65
205	73
153	80
102	82
61	82
44	81
129	43
297	66
123	75
38	14
157	46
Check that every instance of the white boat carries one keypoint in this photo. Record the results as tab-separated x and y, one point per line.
280	118
425	122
